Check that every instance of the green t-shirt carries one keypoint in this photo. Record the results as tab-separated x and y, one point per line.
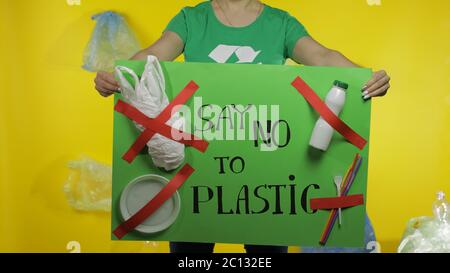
270	39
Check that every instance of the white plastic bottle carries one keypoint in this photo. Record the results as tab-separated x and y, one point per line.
322	132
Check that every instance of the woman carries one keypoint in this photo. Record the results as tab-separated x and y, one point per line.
240	31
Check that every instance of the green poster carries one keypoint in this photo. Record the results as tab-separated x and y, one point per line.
242	191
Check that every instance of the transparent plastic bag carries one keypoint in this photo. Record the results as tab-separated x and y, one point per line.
111	40
88	186
148	95
429	234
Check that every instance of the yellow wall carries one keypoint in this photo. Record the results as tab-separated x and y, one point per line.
50	113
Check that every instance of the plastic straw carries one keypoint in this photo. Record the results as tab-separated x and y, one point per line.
349	179
333	212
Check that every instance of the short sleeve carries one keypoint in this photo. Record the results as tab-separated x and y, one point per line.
294	31
178	25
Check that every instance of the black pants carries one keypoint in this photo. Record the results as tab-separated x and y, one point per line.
209	247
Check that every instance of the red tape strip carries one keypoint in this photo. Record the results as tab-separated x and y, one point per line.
163	117
156	202
337	202
155	126
328	115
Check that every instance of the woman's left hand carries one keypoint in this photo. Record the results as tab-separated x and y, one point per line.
377	86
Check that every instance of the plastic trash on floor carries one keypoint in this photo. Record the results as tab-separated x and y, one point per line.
148	95
429	234
88	186
111	40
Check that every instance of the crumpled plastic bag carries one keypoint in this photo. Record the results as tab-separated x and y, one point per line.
148	96
111	40
88	186
370	242
429	234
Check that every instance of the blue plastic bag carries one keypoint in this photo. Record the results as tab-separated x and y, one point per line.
111	40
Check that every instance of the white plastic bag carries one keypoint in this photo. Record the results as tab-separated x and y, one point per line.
429	234
148	96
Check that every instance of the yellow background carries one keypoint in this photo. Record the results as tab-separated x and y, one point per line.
50	112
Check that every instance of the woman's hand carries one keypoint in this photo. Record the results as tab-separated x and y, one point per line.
377	86
105	84
167	48
310	52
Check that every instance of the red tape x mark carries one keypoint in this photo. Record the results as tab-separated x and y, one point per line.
160	128
328	115
337	202
157	125
156	202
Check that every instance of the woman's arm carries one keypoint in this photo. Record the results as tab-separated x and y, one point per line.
167	48
310	52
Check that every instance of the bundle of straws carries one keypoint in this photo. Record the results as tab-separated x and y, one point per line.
345	188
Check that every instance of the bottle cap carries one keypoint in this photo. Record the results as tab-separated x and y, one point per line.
340	84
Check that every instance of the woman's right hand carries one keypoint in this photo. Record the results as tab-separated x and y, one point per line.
105	83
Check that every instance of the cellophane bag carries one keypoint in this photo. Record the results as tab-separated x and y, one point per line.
89	185
429	234
111	40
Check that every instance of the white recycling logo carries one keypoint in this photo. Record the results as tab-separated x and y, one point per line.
244	54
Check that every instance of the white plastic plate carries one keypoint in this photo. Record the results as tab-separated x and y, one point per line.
139	192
